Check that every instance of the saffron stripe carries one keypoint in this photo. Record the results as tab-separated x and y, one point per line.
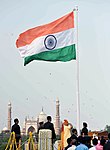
64	23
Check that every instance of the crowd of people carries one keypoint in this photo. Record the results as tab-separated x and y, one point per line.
83	142
69	138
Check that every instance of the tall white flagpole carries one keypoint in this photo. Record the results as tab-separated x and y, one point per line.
77	62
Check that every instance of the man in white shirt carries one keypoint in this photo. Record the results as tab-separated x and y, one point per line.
73	143
94	142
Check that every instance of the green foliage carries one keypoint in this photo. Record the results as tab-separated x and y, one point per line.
2	146
3	140
107	128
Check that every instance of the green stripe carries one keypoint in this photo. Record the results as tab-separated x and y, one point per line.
62	54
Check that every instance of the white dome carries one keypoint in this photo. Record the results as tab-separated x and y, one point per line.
42	113
5	129
42	117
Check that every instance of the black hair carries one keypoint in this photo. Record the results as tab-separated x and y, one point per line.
74	142
102	142
95	141
41	123
74	130
74	137
88	139
49	118
109	136
69	141
16	120
84	124
82	139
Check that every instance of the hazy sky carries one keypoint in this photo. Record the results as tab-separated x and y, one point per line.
40	83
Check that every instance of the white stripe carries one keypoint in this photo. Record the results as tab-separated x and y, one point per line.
65	38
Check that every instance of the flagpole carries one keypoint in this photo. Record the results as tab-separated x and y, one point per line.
77	63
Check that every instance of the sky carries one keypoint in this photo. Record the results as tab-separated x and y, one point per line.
37	85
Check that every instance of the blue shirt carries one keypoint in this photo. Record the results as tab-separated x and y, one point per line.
81	147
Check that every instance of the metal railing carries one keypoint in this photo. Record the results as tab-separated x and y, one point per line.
28	144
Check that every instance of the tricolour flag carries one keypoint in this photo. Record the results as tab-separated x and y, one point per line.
50	42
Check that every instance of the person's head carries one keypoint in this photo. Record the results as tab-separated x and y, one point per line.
16	121
49	118
109	136
74	131
65	122
69	141
73	141
102	137
82	139
102	142
85	124
41	123
74	137
88	139
95	141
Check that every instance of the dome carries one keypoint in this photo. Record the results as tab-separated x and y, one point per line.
42	117
5	129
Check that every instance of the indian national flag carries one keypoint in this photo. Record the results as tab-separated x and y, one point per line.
50	42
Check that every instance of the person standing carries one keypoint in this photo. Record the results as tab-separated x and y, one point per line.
69	143
82	145
94	142
84	129
74	132
16	130
65	133
73	143
107	145
100	145
50	126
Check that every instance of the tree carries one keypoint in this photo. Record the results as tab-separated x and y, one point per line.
107	128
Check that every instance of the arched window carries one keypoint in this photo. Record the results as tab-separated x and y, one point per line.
31	129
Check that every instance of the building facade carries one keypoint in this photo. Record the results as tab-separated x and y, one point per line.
31	125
